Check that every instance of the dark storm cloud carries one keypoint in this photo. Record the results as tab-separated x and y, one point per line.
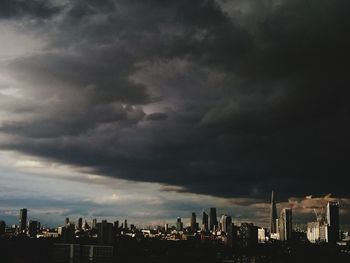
249	106
32	8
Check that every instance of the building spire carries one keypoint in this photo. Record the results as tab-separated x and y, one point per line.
273	214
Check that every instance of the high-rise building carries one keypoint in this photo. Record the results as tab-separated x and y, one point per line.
213	219
105	234
80	223
286	224
226	222
273	214
2	227
193	222
333	221
125	224
179	224
248	235
66	221
33	228
94	222
23	220
205	222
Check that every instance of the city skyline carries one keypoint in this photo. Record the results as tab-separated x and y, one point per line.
150	110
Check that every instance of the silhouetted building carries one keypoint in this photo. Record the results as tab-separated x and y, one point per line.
105	234
333	221
33	228
179	224
67	233
226	222
193	222
2	227
94	222
125	224
23	220
80	223
205	221
213	219
248	235
286	225
66	221
273	214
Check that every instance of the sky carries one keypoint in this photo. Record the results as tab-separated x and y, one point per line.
150	110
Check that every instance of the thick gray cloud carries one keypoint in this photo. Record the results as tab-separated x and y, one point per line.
222	98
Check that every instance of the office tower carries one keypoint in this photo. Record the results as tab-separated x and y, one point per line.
333	221
125	224
23	220
286	224
2	227
105	235
226	222
205	223
67	233
273	214
33	228
193	222
166	227
66	222
179	224
94	222
213	219
248	235
80	223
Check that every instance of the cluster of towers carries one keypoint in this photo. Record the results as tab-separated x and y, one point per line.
324	230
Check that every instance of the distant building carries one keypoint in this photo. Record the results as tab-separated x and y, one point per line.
248	235
226	223
23	220
213	219
2	227
33	228
193	222
286	224
273	214
125	224
205	221
67	233
324	233
66	221
261	235
333	221
105	234
313	232
80	223
94	222
179	224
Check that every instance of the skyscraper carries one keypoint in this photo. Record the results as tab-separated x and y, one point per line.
179	224
273	214
205	225
66	222
286	224
213	219
333	220
23	220
33	228
226	223
193	222
80	223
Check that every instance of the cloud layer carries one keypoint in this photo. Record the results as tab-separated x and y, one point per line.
226	98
